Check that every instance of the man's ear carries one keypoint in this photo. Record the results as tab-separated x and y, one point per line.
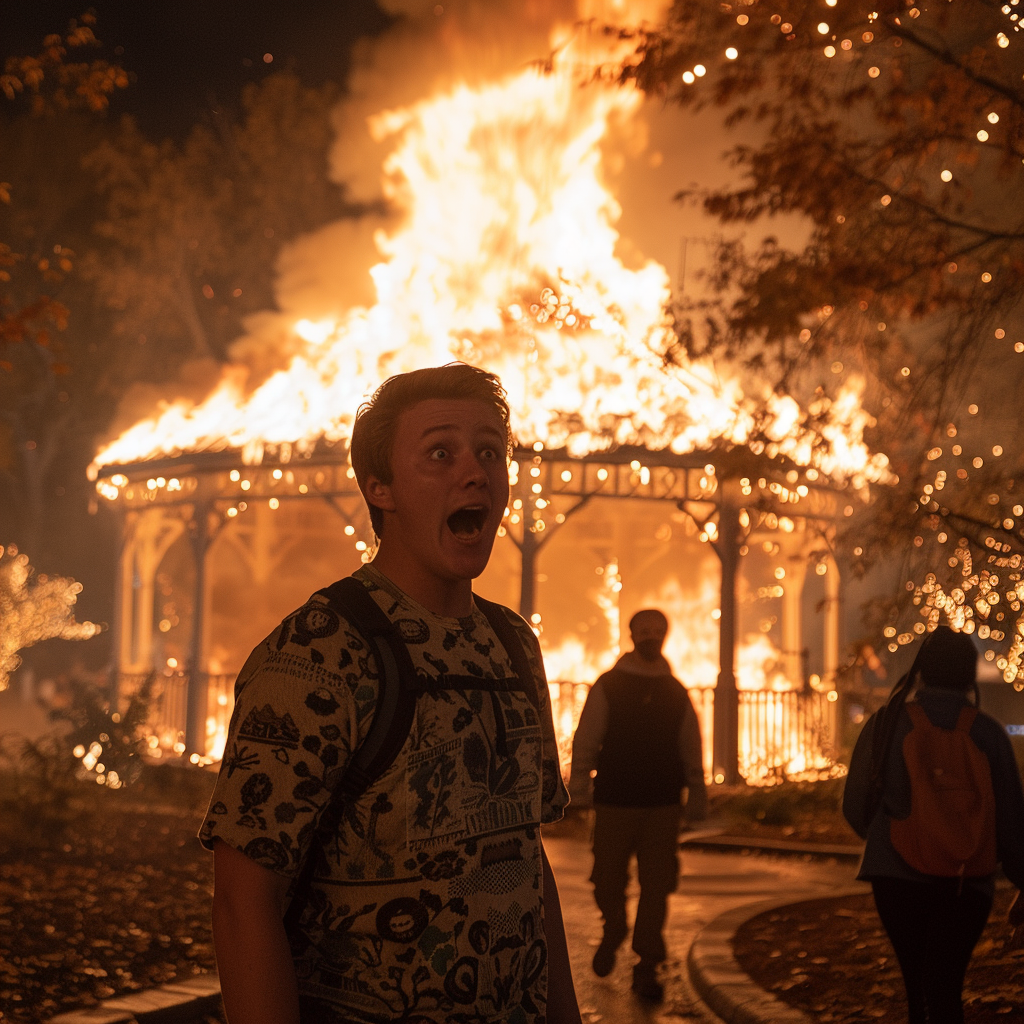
379	494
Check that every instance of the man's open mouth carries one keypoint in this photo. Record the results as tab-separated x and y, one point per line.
466	523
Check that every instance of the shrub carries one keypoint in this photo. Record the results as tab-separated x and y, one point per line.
784	804
44	783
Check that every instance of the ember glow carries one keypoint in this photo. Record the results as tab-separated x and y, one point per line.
505	256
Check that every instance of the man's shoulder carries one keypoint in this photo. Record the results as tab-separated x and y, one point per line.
522	627
622	681
316	639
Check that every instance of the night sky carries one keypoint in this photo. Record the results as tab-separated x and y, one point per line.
187	57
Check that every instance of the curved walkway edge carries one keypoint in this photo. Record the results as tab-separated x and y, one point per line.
720	981
181	1002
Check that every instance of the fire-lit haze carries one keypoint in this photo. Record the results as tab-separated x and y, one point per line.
504	254
502	249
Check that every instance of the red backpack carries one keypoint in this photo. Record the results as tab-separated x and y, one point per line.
951	830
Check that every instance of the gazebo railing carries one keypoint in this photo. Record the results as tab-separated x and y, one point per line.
168	711
786	734
782	734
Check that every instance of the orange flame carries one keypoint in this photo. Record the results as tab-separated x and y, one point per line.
506	257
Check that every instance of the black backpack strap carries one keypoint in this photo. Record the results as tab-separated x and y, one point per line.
510	640
886	721
392	720
396	695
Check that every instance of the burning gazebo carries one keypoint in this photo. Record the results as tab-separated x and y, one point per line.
506	257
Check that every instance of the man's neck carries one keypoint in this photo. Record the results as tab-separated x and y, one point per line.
450	599
632	662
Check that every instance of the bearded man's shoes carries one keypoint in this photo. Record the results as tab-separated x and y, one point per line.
646	984
604	959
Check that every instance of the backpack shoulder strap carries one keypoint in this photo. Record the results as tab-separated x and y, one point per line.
392	720
396	696
509	637
966	719
918	716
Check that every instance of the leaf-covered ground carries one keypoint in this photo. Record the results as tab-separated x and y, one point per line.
114	895
831	959
119	901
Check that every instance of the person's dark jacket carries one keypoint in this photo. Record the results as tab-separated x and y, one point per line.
639	733
942	706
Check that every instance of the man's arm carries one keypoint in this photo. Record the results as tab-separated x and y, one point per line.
257	976
692	755
562	1005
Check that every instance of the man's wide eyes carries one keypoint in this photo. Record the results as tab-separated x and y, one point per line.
441	454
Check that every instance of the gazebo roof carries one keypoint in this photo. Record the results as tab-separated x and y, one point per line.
624	472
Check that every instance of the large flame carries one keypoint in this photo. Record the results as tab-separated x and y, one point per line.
505	256
777	737
691	646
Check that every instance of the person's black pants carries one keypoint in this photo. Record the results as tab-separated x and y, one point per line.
934	928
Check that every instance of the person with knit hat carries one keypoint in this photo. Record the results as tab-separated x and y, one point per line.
935	790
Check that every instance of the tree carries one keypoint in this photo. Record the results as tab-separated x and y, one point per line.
140	233
36	261
896	132
192	232
52	83
34	608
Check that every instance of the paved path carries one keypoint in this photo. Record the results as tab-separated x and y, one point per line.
712	883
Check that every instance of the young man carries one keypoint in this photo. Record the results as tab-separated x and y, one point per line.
639	739
432	898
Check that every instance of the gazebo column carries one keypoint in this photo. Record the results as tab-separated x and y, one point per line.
832	620
148	536
197	697
792	609
145	597
727	702
124	618
528	551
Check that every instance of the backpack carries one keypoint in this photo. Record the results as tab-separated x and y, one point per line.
951	830
887	721
398	691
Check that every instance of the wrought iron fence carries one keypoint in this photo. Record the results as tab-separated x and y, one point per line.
782	734
789	734
169	710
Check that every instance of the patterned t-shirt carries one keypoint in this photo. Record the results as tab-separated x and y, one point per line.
433	908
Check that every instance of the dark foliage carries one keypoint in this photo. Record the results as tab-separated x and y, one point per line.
895	134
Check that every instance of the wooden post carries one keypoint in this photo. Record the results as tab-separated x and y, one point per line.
726	733
832	622
196	703
528	551
121	620
794	652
